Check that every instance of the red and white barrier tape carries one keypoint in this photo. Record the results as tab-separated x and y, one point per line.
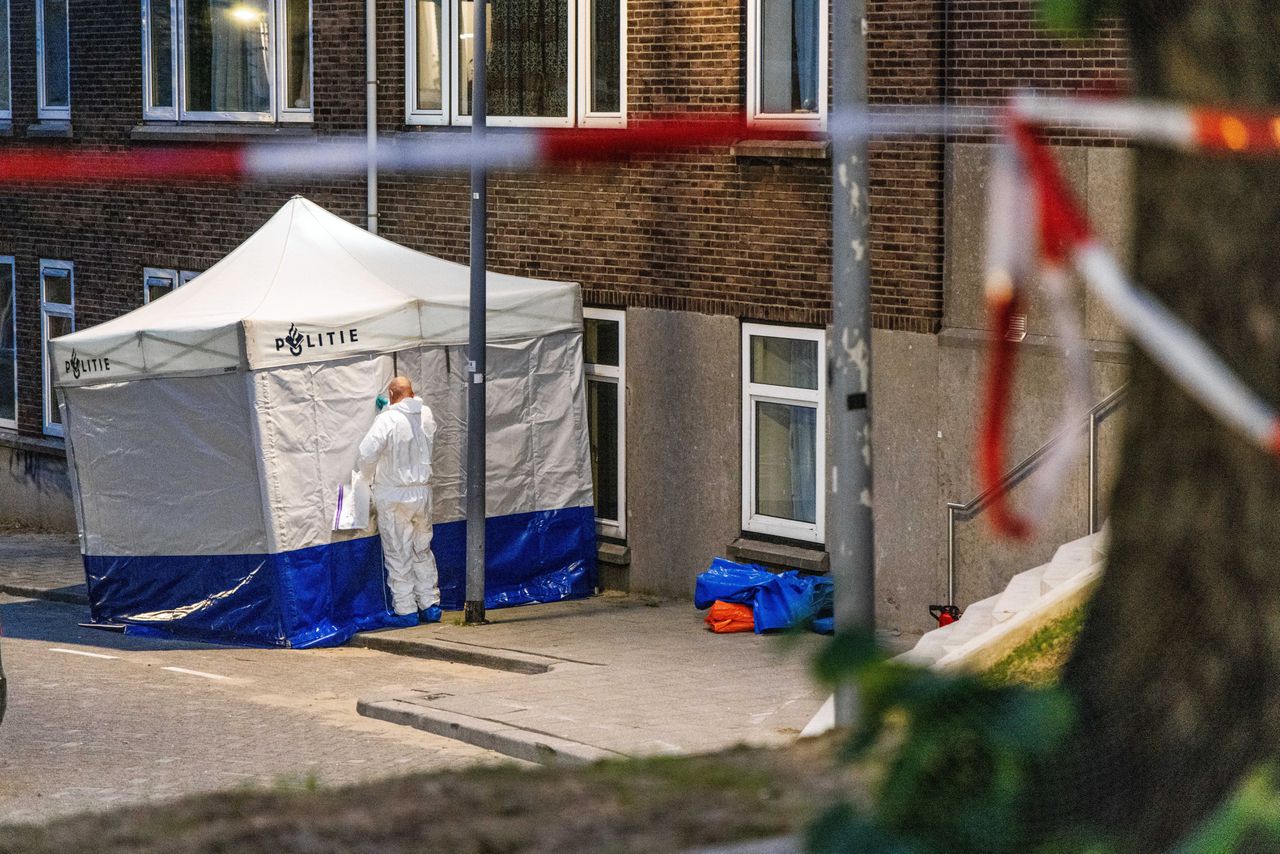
1062	237
1199	129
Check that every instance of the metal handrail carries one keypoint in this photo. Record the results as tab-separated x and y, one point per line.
1024	469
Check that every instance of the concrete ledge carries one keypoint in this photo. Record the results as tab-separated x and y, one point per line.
48	445
49	129
458	653
781	149
491	735
778	554
1116	352
614	554
222	132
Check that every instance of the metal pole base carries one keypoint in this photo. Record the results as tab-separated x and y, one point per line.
473	613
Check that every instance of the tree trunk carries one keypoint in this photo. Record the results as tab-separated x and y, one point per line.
1177	672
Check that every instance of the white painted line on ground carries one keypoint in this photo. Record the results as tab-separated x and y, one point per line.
196	673
81	652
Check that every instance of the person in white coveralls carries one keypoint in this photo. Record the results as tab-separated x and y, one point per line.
395	457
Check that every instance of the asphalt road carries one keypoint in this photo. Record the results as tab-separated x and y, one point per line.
98	719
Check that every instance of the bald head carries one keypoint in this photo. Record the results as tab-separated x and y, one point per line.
399	389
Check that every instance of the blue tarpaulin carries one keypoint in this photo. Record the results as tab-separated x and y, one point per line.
321	596
778	600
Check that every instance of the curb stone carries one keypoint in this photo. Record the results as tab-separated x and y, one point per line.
65	595
458	653
491	735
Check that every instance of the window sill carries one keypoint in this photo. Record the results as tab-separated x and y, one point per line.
808	558
228	132
781	149
49	129
613	554
48	445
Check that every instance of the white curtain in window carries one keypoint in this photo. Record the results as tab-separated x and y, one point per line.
238	55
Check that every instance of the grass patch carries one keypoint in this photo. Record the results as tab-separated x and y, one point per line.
1038	661
660	804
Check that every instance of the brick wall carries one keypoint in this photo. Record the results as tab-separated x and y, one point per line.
703	232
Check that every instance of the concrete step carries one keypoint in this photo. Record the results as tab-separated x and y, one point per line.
1023	589
976	619
1070	560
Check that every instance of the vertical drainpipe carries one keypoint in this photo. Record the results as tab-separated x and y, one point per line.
371	116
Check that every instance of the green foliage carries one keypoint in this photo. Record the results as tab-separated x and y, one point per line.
959	775
1074	16
1248	821
957	758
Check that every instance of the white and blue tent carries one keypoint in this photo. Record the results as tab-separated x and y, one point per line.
208	432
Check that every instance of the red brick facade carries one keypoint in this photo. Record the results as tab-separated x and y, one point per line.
707	232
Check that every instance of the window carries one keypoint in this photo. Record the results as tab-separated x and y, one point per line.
6	91
783	431
8	346
787	62
604	349
57	318
53	71
156	282
551	62
237	60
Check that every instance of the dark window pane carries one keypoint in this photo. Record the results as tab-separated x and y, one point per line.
528	57
606	69
225	49
298	54
8	346
602	418
57	285
4	61
157	286
58	326
789	362
786	461
600	342
57	88
161	38
788	56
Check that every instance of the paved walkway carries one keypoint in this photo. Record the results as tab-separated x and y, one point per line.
576	681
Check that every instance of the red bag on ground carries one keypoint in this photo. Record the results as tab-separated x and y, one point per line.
725	617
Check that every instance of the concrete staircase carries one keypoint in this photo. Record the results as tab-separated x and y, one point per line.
990	629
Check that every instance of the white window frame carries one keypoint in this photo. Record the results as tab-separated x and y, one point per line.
47	310
753	393
276	70
586	116
12	423
7	113
578	84
43	110
177	278
618	376
783	121
149	273
413	115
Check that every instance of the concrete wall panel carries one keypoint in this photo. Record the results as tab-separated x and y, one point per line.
684	440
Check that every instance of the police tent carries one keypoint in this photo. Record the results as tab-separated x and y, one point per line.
209	431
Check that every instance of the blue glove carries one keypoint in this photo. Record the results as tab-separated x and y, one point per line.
381	401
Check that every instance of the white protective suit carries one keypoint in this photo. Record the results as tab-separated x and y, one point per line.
395	456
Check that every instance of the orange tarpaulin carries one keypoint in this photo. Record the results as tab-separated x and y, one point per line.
725	617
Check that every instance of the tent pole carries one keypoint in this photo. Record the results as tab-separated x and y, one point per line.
850	541
473	609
